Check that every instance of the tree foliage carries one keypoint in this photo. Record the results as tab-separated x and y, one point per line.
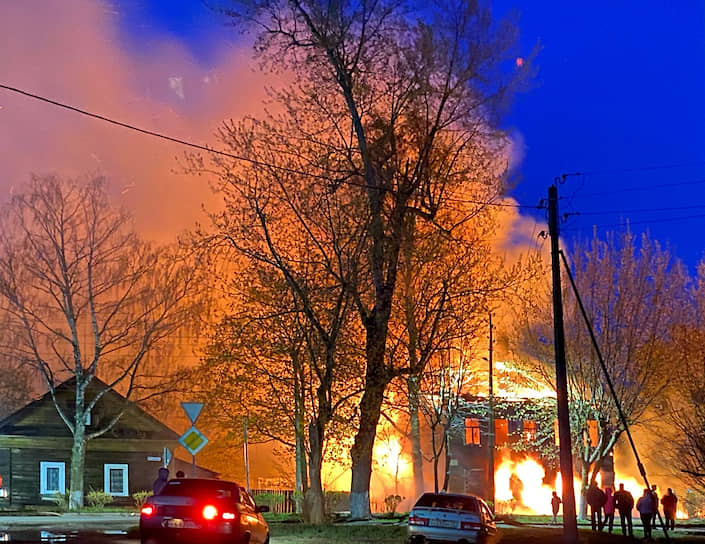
396	102
631	289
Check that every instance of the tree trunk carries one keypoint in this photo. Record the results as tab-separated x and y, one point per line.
584	477
361	452
301	477
314	506
78	460
446	476
436	454
415	434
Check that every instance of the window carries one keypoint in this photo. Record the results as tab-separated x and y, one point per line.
501	432
593	432
472	431
116	480
529	430
52	478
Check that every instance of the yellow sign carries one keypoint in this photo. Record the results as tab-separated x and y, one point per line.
193	440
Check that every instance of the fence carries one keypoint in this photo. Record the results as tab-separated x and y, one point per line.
282	501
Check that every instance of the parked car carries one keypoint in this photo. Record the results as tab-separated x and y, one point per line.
203	510
449	517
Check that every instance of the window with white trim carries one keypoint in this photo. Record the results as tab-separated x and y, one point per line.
115	479
52	477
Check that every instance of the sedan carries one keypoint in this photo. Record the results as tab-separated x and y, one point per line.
203	510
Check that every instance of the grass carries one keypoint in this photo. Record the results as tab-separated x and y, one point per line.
285	530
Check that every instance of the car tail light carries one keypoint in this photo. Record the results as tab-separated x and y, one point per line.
416	520
147	510
228	515
210	512
470	525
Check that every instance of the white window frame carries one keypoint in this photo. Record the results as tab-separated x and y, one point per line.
106	478
43	466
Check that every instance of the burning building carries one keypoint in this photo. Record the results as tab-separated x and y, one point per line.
511	445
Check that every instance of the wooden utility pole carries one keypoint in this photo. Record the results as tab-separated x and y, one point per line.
570	522
490	425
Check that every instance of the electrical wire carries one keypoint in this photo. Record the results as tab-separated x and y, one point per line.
643	222
644	210
645	188
207	149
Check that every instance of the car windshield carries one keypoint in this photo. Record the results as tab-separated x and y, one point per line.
190	488
454	502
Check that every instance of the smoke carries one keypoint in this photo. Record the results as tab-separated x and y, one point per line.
78	55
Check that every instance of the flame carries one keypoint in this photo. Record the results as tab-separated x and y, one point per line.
520	487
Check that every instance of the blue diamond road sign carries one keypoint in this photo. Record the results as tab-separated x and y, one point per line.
193	440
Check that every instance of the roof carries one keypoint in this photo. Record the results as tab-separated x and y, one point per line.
40	418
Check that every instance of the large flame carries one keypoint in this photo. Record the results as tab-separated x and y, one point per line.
520	487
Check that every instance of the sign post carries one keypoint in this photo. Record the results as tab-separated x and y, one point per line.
193	440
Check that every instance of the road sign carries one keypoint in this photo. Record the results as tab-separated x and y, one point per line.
167	456
192	409
193	440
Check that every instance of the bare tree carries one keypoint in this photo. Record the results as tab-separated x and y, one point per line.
303	244
631	290
683	411
83	297
408	96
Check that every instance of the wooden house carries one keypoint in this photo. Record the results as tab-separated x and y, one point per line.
35	449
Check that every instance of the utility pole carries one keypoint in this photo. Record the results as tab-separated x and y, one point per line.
246	452
570	522
490	425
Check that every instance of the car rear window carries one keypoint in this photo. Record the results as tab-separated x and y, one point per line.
190	488
454	502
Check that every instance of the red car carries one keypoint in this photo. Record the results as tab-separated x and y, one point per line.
203	510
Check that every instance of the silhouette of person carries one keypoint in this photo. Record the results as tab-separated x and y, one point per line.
160	482
670	506
555	506
624	502
646	507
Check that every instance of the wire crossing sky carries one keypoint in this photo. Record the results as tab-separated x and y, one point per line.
619	96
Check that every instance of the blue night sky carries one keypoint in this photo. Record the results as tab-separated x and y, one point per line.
619	97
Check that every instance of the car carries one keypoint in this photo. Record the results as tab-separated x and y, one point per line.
203	510
450	517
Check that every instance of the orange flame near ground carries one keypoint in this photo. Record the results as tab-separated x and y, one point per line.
520	488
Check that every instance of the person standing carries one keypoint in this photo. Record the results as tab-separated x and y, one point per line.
646	507
609	509
555	506
624	502
160	482
654	494
670	506
596	500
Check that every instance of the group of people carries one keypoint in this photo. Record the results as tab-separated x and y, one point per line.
163	478
622	501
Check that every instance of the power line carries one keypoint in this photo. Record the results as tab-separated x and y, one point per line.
643	222
217	151
644	188
642	168
644	210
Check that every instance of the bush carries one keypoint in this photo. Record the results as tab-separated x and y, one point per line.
98	499
140	497
270	499
61	500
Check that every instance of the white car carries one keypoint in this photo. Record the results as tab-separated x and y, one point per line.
449	517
